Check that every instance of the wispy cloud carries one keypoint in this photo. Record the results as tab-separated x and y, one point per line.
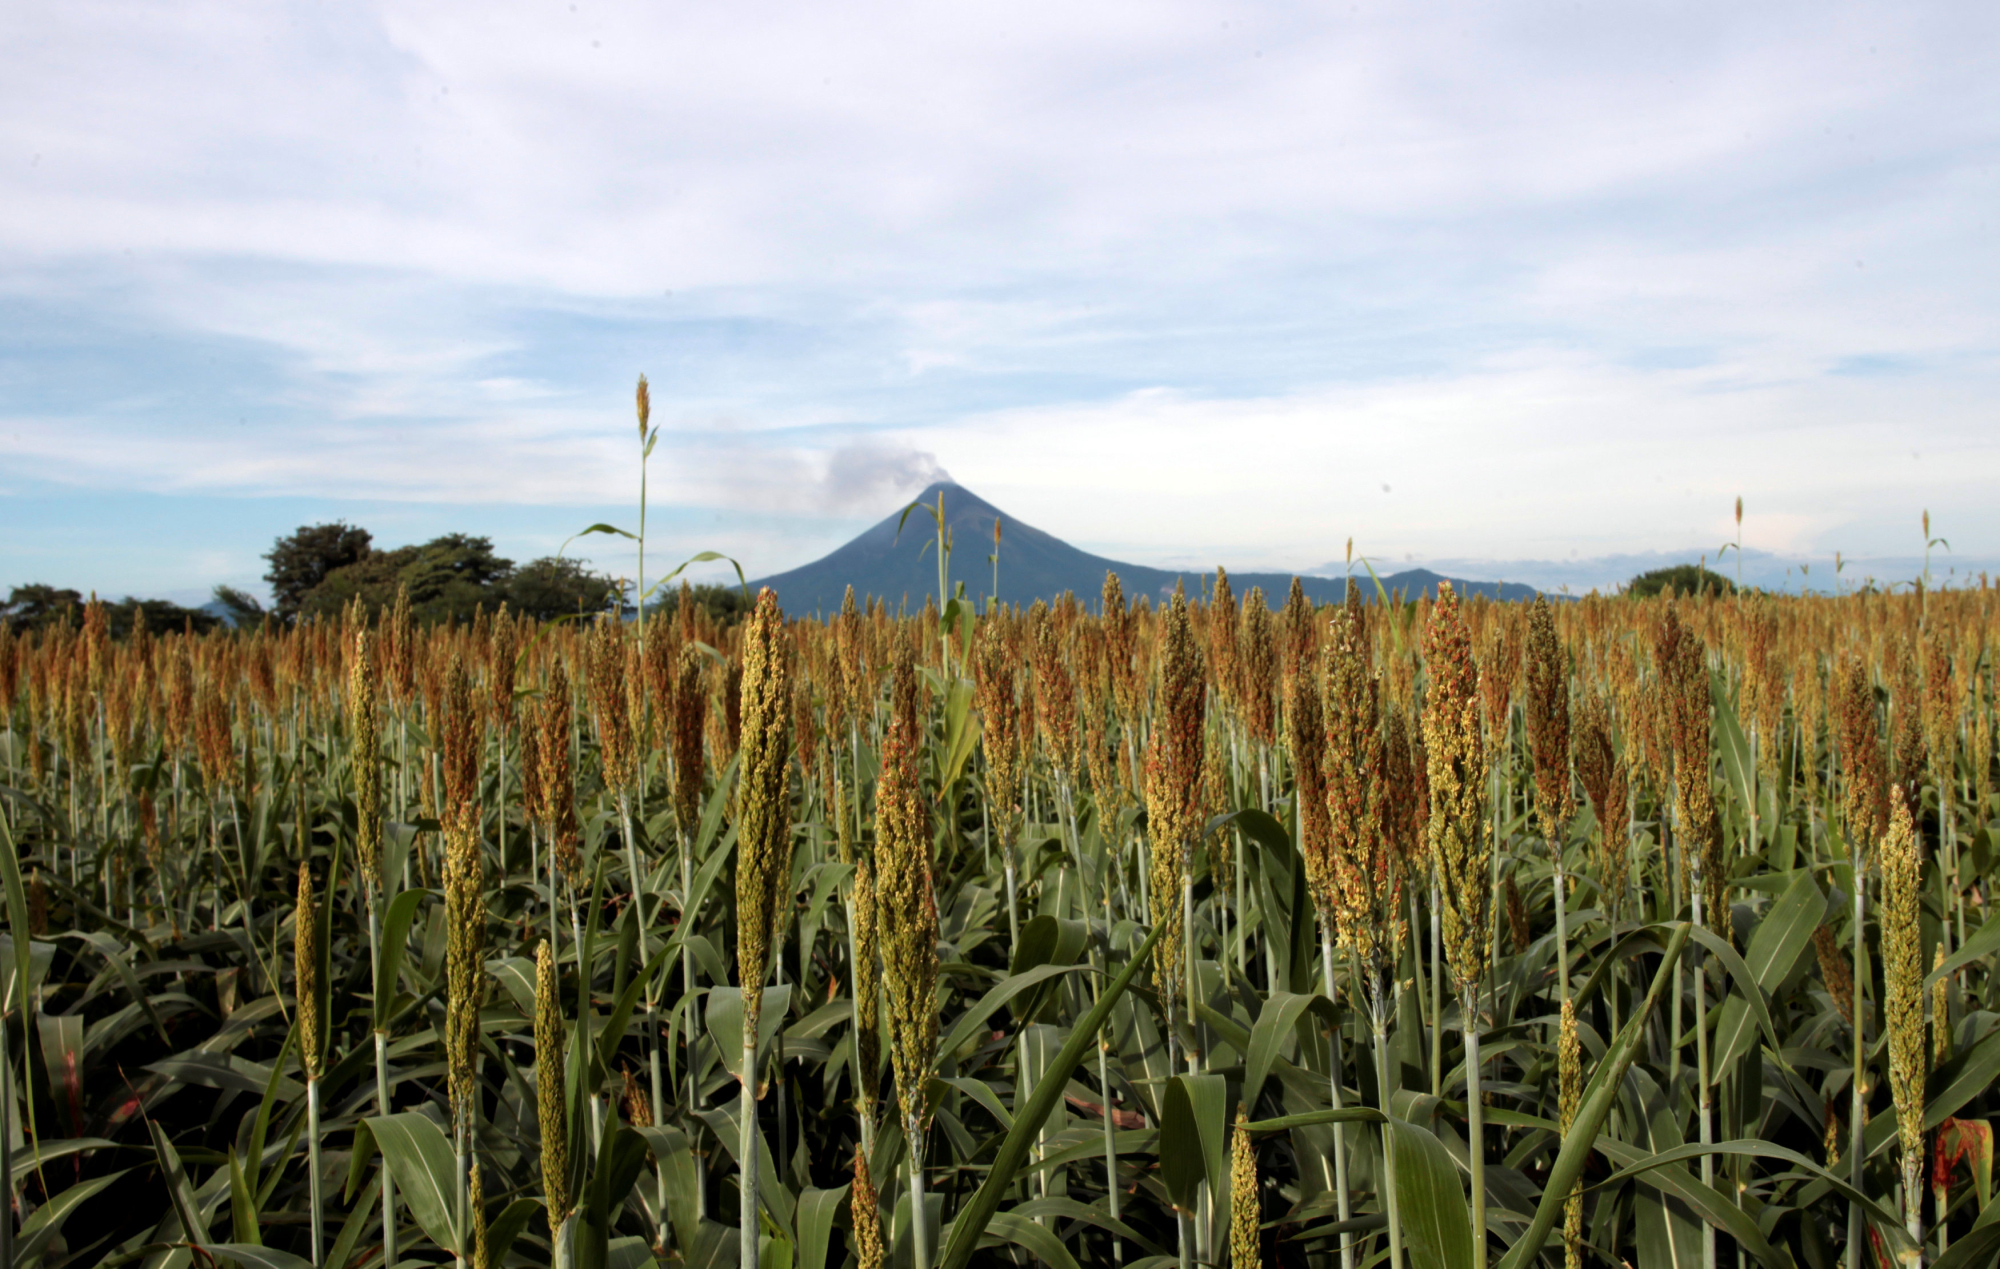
1176	280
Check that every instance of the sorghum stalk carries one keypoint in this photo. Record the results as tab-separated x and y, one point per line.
1365	886
1306	732
762	847
551	1093
865	1208
1569	1064
1245	1210
365	763
909	920
465	961
1456	762
1865	802
1548	742
689	719
1173	818
312	1056
1903	1000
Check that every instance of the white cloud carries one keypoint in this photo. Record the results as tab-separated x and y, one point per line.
1166	278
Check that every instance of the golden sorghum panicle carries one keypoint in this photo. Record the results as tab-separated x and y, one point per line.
460	726
684	733
906	905
1683	666
1941	718
475	1207
1173	784
1548	720
1259	667
1940	1013
1906	725
1902	978
1305	733
866	1209
1246	1210
465	953
764	824
365	756
305	969
1602	773
551	1095
1224	631
1457	770
1569	1061
1520	931
38	905
867	985
1834	971
1865	800
1055	700
1364	899
610	705
638	1107
994	673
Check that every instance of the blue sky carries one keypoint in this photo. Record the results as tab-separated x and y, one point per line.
1517	289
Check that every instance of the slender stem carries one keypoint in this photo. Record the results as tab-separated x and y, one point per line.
1381	1025
746	1150
1562	925
313	1179
1475	1126
1437	993
1702	1079
1856	1104
1333	1082
920	1226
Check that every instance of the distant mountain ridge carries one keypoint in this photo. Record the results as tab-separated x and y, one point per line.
1034	564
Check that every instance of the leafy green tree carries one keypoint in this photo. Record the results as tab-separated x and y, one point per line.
239	606
302	560
38	604
161	614
725	605
1686	579
553	587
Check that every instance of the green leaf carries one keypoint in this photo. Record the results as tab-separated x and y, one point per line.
985	1201
969	1024
358	1217
1599	1096
179	1192
17	919
1436	1221
1340	1115
242	1207
1281	1014
47	1222
674	1158
1984	942
1705	1201
1776	946
396	922
817	1209
1035	1239
255	1255
725	1023
1964	1078
1976	1250
1182	1165
420	1159
502	1232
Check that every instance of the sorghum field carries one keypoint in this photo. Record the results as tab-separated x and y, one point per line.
1428	934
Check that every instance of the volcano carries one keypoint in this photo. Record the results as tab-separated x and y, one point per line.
896	561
